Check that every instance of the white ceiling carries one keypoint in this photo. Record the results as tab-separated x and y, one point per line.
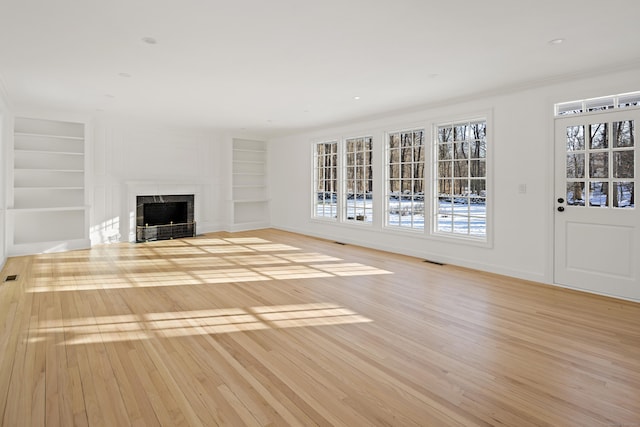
273	66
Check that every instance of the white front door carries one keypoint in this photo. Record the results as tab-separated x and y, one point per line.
597	225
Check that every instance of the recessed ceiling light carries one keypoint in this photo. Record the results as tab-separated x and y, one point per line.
149	40
556	41
108	95
432	75
124	74
356	98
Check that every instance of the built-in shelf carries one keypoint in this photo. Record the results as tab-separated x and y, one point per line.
41	135
48	180
50	209
249	186
62	153
17	170
47	188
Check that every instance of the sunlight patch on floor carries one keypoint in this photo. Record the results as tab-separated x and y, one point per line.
229	276
291	272
350	269
130	327
187	262
226	249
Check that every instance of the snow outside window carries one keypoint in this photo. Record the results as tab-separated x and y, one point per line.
460	196
326	180
358	180
405	179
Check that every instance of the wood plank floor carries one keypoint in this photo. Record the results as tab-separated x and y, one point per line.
272	328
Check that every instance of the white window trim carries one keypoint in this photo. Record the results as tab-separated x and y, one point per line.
342	202
314	193
386	178
487	242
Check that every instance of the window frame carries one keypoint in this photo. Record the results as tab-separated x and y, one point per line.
367	213
334	194
485	240
389	192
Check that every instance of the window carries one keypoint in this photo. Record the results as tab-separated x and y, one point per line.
405	180
326	180
358	178
600	165
624	100
460	196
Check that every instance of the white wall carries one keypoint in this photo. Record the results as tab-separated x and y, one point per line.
522	148
5	136
152	159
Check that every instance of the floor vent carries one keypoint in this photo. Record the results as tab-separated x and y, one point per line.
11	278
433	262
339	243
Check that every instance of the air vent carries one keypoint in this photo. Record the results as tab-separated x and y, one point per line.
11	278
339	243
433	262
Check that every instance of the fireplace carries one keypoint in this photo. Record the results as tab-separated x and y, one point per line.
164	217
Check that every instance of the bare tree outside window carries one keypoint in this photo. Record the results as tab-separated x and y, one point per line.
460	198
326	180
358	179
405	179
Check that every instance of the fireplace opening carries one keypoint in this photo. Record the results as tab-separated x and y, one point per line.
165	213
164	217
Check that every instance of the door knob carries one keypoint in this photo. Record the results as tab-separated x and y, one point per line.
560	200
560	208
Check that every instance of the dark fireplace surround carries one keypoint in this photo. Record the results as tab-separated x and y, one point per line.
164	217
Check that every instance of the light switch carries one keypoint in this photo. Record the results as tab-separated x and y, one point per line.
522	188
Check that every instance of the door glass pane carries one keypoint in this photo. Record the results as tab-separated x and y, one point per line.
575	138
598	192
623	134
623	195
575	193
599	138
623	164
575	165
598	165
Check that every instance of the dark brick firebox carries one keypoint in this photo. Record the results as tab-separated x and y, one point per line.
164	217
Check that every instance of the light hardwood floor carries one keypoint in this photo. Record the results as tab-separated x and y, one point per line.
273	328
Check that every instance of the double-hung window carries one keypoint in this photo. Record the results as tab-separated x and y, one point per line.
326	180
460	196
405	179
358	179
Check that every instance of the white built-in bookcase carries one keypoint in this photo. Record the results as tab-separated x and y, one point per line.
250	195
46	200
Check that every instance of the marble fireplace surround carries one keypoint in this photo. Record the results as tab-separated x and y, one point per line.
146	188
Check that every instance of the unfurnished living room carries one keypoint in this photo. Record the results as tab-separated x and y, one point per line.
338	213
